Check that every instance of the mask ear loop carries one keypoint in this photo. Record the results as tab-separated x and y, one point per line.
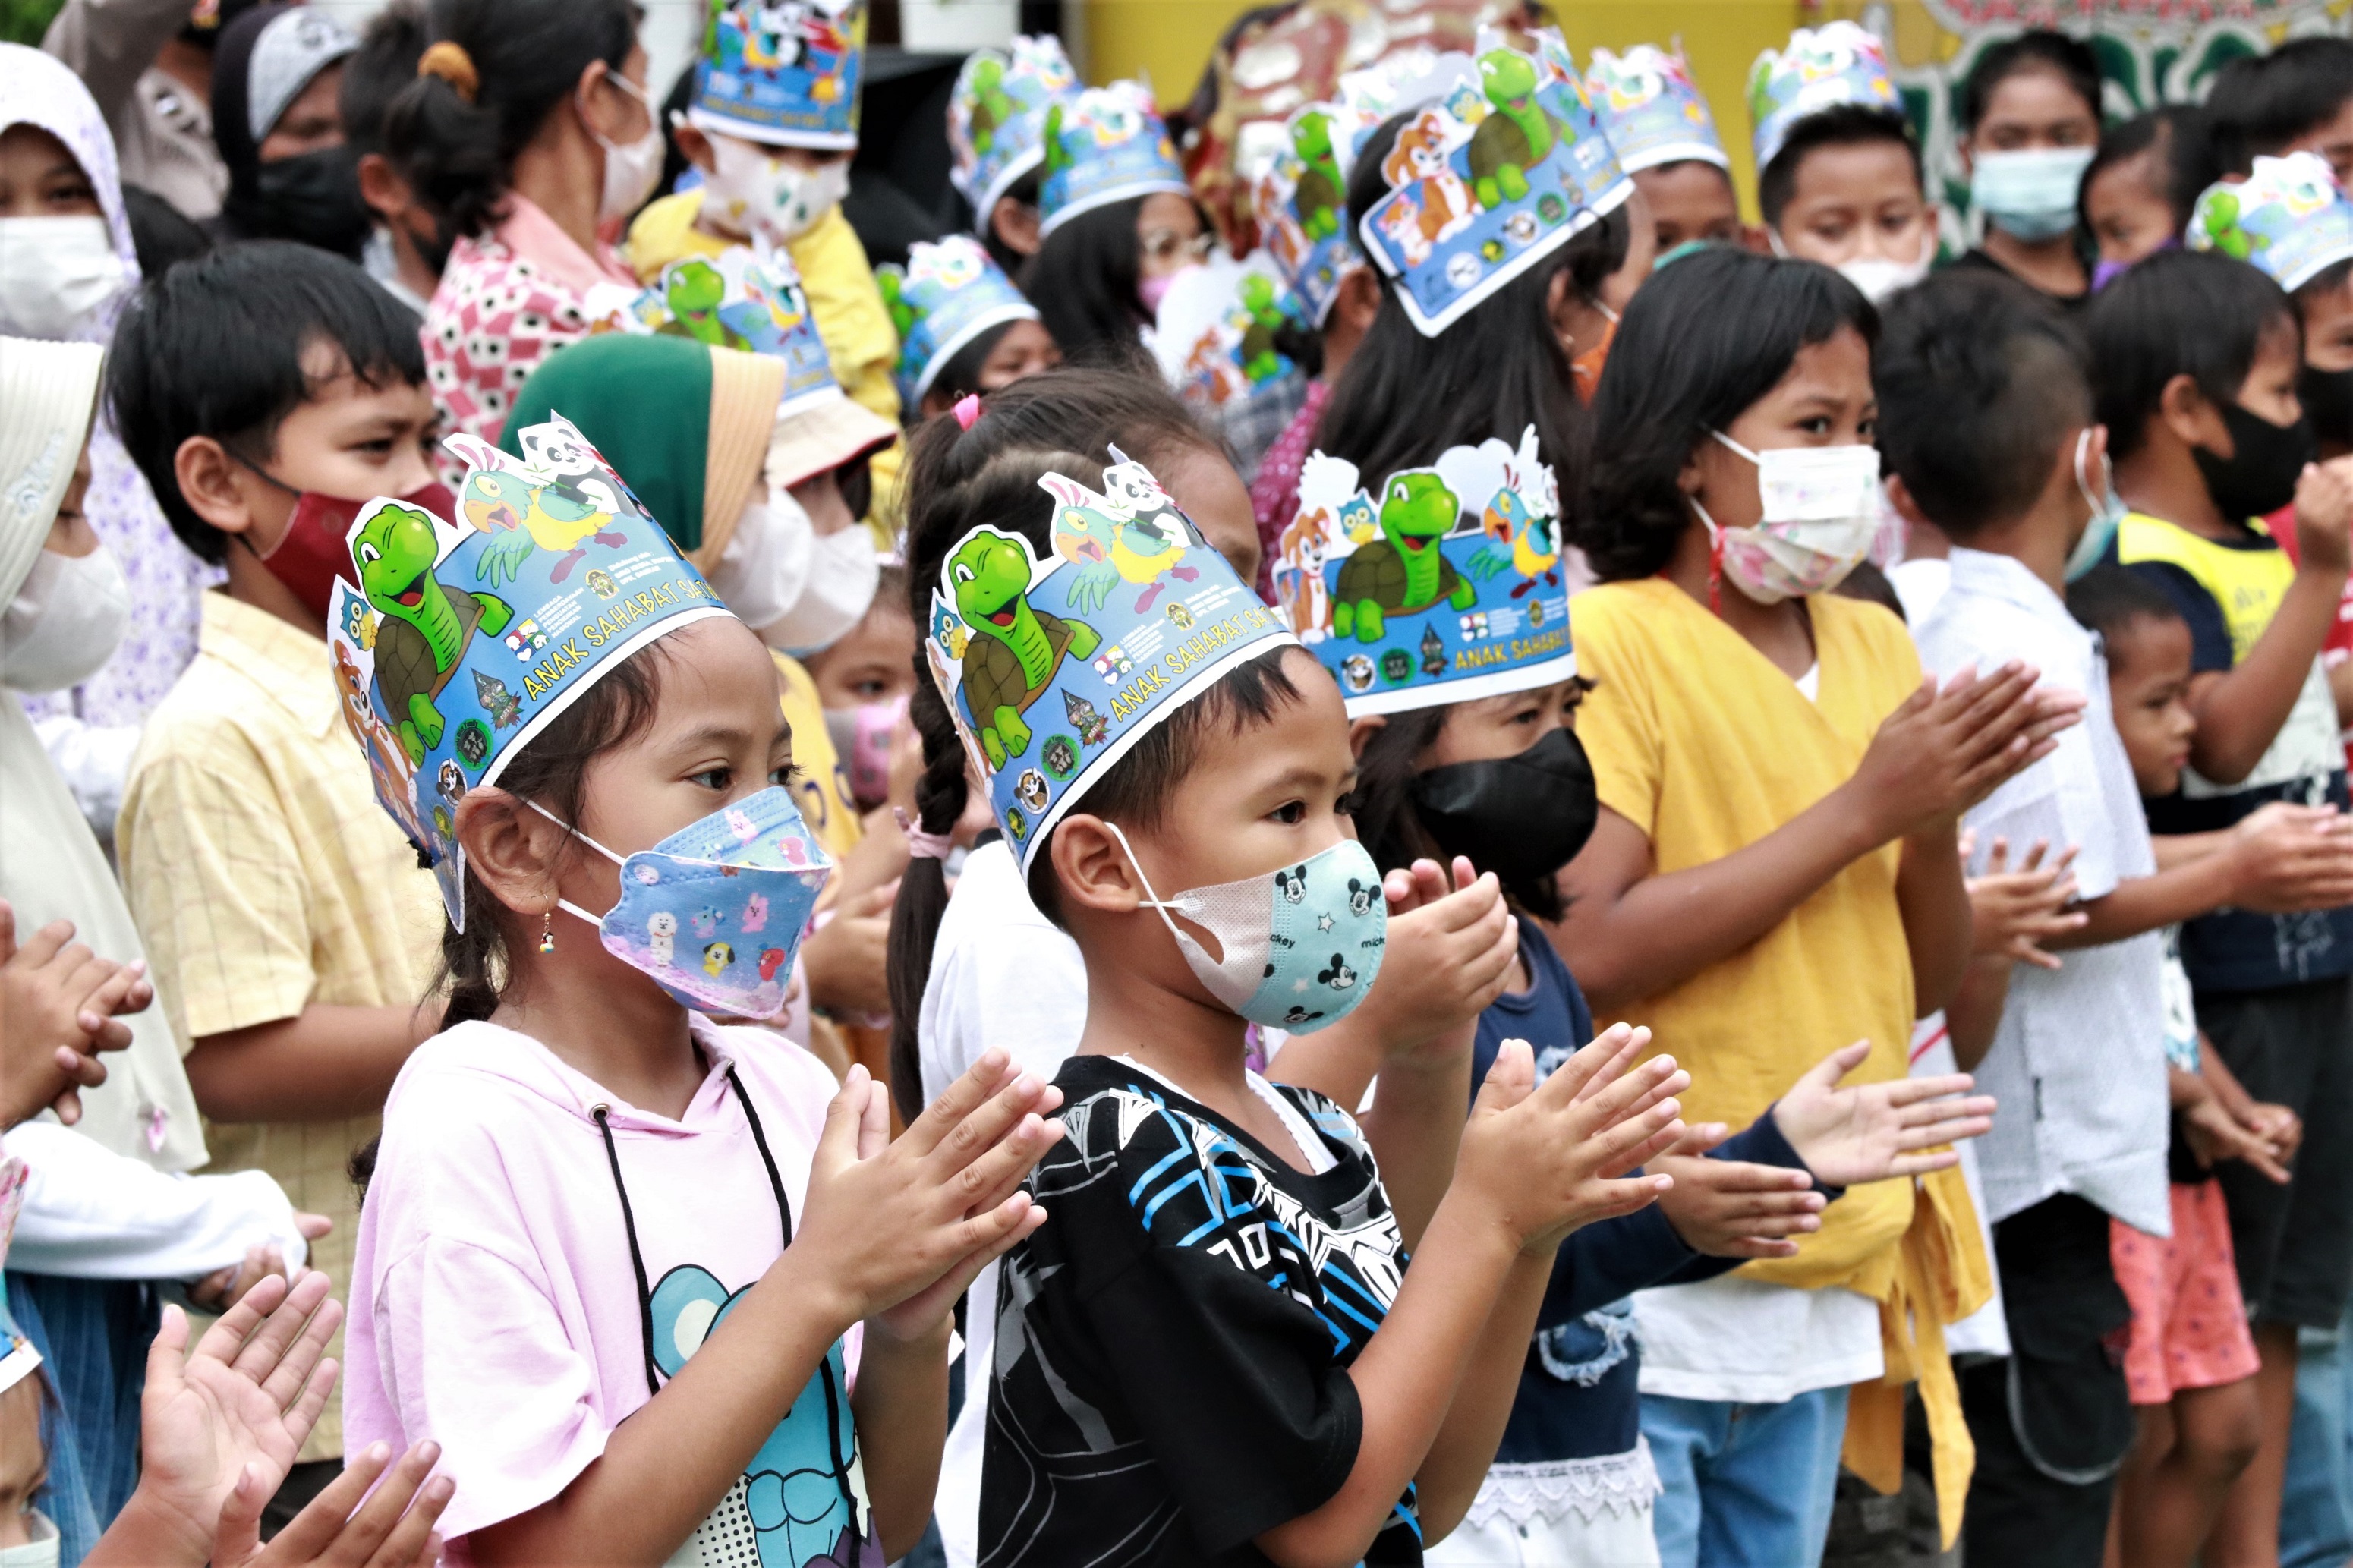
1715	535
566	905
1153	900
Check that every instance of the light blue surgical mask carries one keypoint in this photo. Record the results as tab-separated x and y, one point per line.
2108	510
1299	944
2030	194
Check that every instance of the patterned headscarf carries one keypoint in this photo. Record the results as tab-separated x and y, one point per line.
38	89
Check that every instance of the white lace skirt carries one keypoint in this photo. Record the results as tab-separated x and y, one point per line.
1565	1513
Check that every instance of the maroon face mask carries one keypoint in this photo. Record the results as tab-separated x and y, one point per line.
313	552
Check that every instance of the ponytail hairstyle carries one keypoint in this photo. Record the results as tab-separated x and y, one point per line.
499	69
1063	421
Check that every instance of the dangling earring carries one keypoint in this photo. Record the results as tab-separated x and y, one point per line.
547	931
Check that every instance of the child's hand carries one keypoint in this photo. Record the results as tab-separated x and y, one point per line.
1449	954
2277	1126
1729	1208
59	1002
2013	913
2214	1134
1871	1132
899	1228
387	1531
1947	748
1539	1159
2289	858
2324	509
847	958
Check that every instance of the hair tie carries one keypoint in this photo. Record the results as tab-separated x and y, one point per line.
448	60
923	845
967	410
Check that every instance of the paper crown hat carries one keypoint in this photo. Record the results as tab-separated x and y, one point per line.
948	294
1821	67
1053	669
1489	180
739	299
784	72
1215	331
1654	111
467	636
1104	145
997	117
1441	584
2289	217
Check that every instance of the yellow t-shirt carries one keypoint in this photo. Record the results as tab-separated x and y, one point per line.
823	791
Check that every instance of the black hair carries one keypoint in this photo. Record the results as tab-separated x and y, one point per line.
2260	103
1025	191
1405	398
671	111
1841	125
1702	340
961	374
162	235
1869	585
376	72
1083	281
1980	380
2184	145
528	54
2323	283
2070	59
2179	313
2110	597
1063	421
215	348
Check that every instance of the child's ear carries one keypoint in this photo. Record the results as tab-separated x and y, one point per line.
1900	497
1361	732
2187	414
1016	224
1093	867
1359	299
214	484
514	850
694	144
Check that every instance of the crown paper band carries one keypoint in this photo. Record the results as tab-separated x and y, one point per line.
1654	111
997	118
1821	68
947	295
2289	217
785	72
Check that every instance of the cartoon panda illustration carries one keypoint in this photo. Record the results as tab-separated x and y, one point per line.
1292	884
661	929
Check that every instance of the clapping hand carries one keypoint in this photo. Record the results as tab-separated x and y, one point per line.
1871	1132
2013	913
58	1009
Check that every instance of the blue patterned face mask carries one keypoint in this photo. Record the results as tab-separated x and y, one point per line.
714	911
1301	945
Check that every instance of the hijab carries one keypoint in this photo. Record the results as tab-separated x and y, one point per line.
50	865
36	89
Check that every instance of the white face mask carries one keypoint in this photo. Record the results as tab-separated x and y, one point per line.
65	622
54	274
1879	279
800	589
753	192
631	169
1820	510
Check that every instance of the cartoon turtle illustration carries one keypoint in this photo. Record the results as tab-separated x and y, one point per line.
992	106
2218	214
694	290
1261	360
501	703
1514	139
1093	728
1016	647
891	284
426	622
1403	572
1320	190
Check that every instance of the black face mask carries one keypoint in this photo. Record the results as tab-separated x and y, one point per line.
1522	818
2266	459
2328	399
312	197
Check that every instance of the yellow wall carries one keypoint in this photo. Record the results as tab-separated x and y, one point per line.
1171	39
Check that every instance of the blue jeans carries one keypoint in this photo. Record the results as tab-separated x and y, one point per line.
92	1335
2316	1504
1747	1485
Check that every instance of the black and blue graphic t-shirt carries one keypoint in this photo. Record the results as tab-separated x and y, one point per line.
1170	1371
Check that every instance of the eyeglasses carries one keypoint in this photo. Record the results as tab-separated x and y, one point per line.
1161	247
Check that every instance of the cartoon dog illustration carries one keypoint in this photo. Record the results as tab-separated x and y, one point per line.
662	932
1440	206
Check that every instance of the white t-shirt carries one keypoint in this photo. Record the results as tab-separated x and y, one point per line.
1985	1332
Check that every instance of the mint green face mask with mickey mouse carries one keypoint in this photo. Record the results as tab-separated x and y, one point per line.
1299	945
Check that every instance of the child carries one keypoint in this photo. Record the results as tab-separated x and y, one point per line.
2208	435
863	682
405	251
2030	127
964	328
560	1344
1813	902
2140	188
1839	175
2296	97
1496	775
997	118
1665	137
266	390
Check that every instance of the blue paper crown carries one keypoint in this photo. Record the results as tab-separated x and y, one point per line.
1104	145
1484	185
1821	68
739	299
1052	670
467	636
997	117
784	72
1442	585
2289	217
947	294
1655	112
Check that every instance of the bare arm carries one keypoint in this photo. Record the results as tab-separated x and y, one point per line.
902	1404
109	43
1448	1481
2239	710
1934	899
2281	859
1975	1012
323	1063
1415	1127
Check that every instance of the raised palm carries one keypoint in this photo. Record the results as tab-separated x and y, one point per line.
1871	1132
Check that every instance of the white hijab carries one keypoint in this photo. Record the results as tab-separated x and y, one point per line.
50	865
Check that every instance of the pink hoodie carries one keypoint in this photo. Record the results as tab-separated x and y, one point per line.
493	1305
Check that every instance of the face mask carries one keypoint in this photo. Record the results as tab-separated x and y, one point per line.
2266	459
1152	291
40	1551
1301	943
54	274
1821	510
714	911
1522	818
312	198
843	573
631	170
65	621
2031	193
862	736
313	553
757	192
2328	399
1879	278
2108	510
